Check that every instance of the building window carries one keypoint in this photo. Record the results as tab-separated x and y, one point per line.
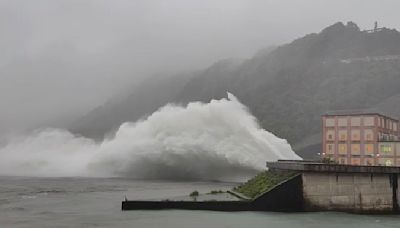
385	137
355	121
369	149
330	148
355	135
355	149
381	137
386	161
395	127
355	161
386	149
330	135
342	148
342	161
342	122
342	135
369	121
330	122
368	135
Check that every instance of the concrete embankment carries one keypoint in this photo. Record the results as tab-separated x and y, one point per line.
347	188
317	187
283	197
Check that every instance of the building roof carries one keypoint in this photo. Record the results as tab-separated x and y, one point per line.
356	113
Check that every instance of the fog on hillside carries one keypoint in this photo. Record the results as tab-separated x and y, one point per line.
62	59
87	68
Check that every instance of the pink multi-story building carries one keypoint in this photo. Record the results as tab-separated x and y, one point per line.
358	138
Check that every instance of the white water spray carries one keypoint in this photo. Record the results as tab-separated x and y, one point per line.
219	140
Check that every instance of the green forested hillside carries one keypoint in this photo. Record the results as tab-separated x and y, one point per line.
287	88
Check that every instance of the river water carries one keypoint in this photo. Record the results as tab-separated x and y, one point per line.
96	202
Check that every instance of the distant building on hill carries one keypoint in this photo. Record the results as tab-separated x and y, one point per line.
375	29
358	138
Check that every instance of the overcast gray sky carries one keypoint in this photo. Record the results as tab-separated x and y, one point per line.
61	58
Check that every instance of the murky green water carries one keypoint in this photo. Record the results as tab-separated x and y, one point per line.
95	202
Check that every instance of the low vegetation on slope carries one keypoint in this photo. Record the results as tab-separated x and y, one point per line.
263	182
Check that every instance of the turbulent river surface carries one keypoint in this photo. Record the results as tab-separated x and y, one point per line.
96	202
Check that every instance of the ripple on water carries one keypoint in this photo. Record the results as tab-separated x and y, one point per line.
4	201
29	197
17	208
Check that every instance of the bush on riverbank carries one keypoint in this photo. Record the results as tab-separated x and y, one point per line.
262	182
194	194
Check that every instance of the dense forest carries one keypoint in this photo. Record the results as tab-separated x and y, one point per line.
287	88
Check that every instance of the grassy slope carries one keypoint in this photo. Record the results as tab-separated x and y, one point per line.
262	182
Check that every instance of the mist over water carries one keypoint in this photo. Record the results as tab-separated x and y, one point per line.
219	140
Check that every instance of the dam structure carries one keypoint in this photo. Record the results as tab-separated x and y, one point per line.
346	188
358	172
316	187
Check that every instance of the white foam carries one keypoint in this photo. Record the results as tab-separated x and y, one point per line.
219	140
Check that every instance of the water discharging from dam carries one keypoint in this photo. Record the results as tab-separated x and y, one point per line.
219	140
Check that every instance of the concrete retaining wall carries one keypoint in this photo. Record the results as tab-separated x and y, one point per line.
286	196
355	192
